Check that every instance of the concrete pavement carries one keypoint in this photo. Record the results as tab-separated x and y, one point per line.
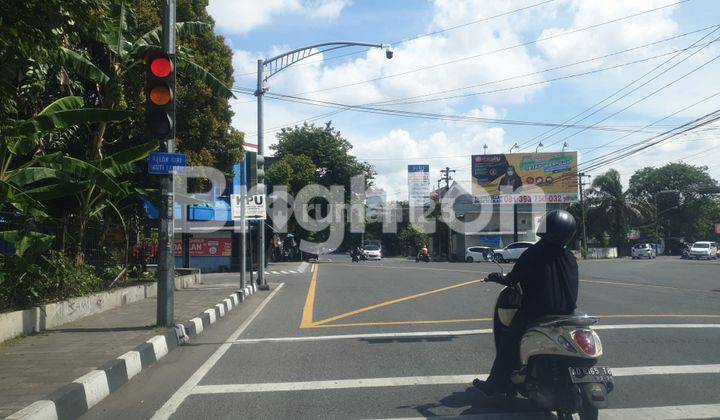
396	339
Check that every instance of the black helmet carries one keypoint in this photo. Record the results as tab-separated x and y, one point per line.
557	227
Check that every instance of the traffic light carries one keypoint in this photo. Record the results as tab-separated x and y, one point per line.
160	94
260	162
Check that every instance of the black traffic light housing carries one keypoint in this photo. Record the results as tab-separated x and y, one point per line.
160	95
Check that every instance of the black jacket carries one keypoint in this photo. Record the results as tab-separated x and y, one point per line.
548	275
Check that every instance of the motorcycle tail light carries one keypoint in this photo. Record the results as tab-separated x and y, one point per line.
585	340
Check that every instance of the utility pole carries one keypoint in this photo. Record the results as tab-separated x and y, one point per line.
166	258
447	178
581	186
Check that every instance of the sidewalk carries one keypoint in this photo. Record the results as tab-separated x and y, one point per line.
32	367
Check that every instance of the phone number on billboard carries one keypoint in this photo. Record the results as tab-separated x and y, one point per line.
527	198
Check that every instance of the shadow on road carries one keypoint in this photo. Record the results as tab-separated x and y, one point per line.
476	403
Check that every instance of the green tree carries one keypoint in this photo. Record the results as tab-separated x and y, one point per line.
412	239
328	151
610	206
293	171
683	210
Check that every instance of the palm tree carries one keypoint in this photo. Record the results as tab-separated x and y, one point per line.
610	206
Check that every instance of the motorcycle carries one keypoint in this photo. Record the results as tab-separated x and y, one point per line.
558	357
422	257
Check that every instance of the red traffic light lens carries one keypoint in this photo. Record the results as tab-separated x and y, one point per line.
161	67
160	95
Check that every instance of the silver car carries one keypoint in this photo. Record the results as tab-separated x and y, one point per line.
643	251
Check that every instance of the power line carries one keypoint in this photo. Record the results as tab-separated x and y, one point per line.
524	44
324	115
404	40
549	133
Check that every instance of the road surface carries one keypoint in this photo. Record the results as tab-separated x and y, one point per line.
399	339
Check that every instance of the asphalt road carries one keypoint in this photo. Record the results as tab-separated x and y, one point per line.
399	339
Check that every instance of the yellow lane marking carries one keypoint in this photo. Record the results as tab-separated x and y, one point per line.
309	308
390	302
381	323
448	321
411	268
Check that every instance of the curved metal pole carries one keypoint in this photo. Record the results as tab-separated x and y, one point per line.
285	60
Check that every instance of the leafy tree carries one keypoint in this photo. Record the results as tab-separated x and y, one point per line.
328	151
613	207
683	211
411	239
293	171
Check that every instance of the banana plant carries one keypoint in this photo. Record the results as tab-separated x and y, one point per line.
125	55
22	138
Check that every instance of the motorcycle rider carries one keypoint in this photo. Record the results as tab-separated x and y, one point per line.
548	276
424	253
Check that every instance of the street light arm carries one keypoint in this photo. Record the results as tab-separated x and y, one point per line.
280	62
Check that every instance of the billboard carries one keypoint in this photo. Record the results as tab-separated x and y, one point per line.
206	247
419	185
555	173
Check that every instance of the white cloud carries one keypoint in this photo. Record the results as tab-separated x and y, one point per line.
240	17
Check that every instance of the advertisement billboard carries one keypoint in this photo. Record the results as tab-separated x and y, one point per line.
419	185
554	173
206	247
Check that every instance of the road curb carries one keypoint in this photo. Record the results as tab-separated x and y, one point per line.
76	398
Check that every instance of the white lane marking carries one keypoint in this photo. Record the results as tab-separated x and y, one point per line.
133	365
303	267
43	409
699	411
644	326
336	384
159	346
371	336
95	385
455	333
186	389
424	380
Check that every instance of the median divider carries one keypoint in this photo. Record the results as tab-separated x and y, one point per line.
76	398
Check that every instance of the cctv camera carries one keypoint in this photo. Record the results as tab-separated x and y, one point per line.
389	53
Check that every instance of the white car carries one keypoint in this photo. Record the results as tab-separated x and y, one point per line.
700	250
478	253
643	251
512	251
373	252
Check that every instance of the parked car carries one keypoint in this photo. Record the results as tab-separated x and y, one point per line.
478	253
643	251
373	252
512	251
707	250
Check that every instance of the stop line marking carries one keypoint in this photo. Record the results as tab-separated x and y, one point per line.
423	380
697	411
457	333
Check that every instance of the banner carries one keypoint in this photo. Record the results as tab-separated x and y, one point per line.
555	173
206	247
419	185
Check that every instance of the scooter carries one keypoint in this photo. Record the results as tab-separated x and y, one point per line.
558	357
355	258
422	257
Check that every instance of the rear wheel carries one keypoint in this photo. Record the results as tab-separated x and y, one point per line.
469	259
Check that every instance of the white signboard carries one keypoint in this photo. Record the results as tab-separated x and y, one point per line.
254	207
419	185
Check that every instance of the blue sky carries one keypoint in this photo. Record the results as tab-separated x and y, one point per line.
256	29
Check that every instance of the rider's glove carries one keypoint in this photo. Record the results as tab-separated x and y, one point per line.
496	278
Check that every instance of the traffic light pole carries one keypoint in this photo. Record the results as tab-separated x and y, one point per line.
166	261
262	282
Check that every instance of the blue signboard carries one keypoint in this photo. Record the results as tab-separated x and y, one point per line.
163	163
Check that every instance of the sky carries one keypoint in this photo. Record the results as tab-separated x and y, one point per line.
628	70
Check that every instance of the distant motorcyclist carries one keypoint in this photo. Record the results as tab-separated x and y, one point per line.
548	276
423	254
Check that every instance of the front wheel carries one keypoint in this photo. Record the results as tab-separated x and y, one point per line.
469	259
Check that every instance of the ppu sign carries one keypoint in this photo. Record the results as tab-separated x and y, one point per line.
162	163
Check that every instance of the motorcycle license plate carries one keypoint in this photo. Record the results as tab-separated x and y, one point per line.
580	375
